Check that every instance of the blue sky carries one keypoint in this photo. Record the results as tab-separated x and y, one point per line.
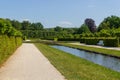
65	13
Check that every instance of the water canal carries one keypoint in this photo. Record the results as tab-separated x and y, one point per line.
106	61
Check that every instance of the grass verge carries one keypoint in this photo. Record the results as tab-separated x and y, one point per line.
109	52
75	68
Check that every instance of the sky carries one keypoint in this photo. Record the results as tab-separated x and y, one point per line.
64	13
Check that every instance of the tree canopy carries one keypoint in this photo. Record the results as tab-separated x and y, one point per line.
7	28
83	29
110	23
91	24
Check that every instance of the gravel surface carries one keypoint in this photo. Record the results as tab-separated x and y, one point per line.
28	63
113	48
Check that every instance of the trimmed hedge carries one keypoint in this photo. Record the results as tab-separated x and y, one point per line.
108	41
68	39
8	45
92	41
89	40
113	42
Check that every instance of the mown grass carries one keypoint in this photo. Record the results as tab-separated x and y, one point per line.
75	68
111	52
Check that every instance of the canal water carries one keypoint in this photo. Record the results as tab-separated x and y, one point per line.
106	61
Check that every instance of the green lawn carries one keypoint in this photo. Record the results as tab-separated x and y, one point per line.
75	68
115	53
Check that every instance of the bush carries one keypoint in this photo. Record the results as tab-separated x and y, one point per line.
89	40
82	40
68	39
113	42
108	41
55	39
8	45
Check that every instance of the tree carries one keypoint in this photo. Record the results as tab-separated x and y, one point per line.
16	24
83	29
7	28
110	23
104	33
91	24
39	26
103	26
25	25
58	28
36	26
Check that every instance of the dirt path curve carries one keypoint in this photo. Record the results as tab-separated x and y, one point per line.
28	63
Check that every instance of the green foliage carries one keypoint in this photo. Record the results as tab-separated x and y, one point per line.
10	39
25	25
55	39
89	40
108	41
83	29
110	23
6	28
36	26
111	42
8	45
58	28
18	41
104	33
69	37
16	24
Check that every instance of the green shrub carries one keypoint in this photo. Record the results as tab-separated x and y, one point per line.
8	45
18	41
108	41
55	39
91	41
82	40
113	42
68	39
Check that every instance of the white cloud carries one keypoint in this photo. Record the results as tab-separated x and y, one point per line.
65	24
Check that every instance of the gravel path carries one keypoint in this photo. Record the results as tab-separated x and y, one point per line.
28	63
113	48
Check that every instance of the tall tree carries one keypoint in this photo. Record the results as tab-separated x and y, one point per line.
58	28
7	28
91	24
110	23
83	29
25	25
38	26
16	24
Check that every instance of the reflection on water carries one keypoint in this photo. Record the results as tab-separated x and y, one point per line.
109	62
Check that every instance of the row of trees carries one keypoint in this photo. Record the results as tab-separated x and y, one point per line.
108	27
25	25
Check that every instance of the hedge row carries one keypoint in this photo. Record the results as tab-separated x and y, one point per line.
112	42
89	41
109	41
68	39
8	45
